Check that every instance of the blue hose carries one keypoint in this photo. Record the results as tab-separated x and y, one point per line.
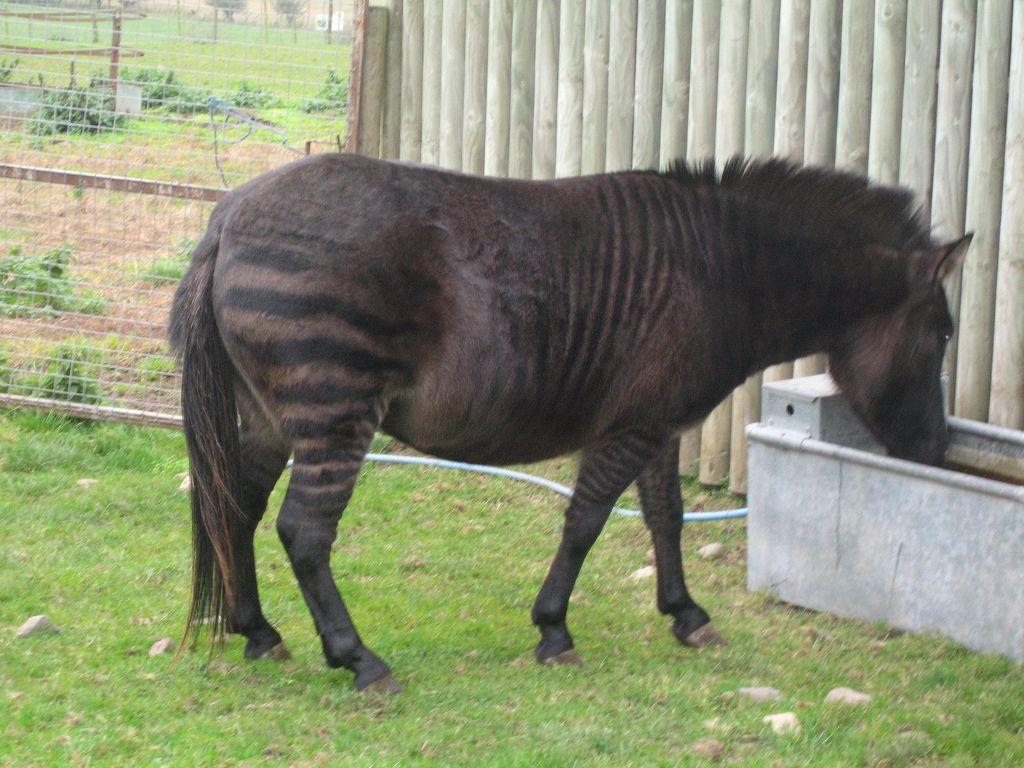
483	469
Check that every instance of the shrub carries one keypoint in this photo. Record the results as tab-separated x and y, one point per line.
252	96
161	88
33	285
7	68
332	96
76	110
72	373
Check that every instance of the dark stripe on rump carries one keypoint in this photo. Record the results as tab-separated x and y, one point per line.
298	306
349	424
321	393
314	349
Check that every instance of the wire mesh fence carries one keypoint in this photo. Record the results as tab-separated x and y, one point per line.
121	126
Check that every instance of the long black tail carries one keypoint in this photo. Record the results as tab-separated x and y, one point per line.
211	434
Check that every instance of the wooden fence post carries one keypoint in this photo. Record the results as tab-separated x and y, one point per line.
569	136
822	111
473	131
917	134
650	62
984	198
791	103
524	41
545	110
887	90
952	138
853	123
621	85
758	141
1007	405
453	82
391	127
595	86
730	105
499	87
433	23
372	81
412	80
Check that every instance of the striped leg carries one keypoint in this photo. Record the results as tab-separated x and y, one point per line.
323	477
662	505
263	458
605	472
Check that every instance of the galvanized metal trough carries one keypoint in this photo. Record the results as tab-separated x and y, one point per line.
836	525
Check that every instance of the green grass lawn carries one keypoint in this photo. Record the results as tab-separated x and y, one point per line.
440	570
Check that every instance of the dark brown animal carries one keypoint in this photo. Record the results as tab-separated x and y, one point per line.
510	321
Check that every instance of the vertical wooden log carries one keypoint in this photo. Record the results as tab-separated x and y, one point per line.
917	133
732	76
887	90
473	128
569	136
650	61
675	98
791	103
621	85
758	140
822	111
984	203
453	82
524	41
391	129
700	132
412	80
1007	403
952	138
853	124
433	22
595	86
372	81
675	110
355	77
499	87
545	112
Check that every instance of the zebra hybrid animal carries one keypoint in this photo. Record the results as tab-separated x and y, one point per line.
504	321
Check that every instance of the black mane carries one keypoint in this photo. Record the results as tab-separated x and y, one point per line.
825	200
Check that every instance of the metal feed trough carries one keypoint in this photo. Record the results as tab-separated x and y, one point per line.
836	525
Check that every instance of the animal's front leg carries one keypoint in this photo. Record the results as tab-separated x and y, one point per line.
662	505
605	472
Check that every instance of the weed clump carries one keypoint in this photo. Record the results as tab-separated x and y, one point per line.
32	285
76	110
332	96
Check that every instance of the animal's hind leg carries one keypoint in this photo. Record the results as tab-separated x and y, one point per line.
328	457
263	458
605	472
662	505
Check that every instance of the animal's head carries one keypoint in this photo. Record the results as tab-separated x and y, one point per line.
889	365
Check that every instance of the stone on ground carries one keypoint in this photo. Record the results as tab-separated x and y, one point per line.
86	482
847	696
711	551
186	484
37	625
161	646
643	573
712	749
759	695
783	723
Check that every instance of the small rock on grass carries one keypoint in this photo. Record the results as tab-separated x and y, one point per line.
161	646
847	696
712	749
759	695
37	625
711	551
643	573
186	484
783	723
86	482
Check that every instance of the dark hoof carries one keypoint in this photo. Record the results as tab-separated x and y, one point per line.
568	658
266	647
383	685
277	653
704	637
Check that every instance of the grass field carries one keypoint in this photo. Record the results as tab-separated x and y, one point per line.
440	570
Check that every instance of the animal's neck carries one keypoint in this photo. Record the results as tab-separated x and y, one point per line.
801	287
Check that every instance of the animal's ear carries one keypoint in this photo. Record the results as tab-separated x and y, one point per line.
948	258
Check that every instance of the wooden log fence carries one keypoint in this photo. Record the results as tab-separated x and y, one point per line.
927	94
